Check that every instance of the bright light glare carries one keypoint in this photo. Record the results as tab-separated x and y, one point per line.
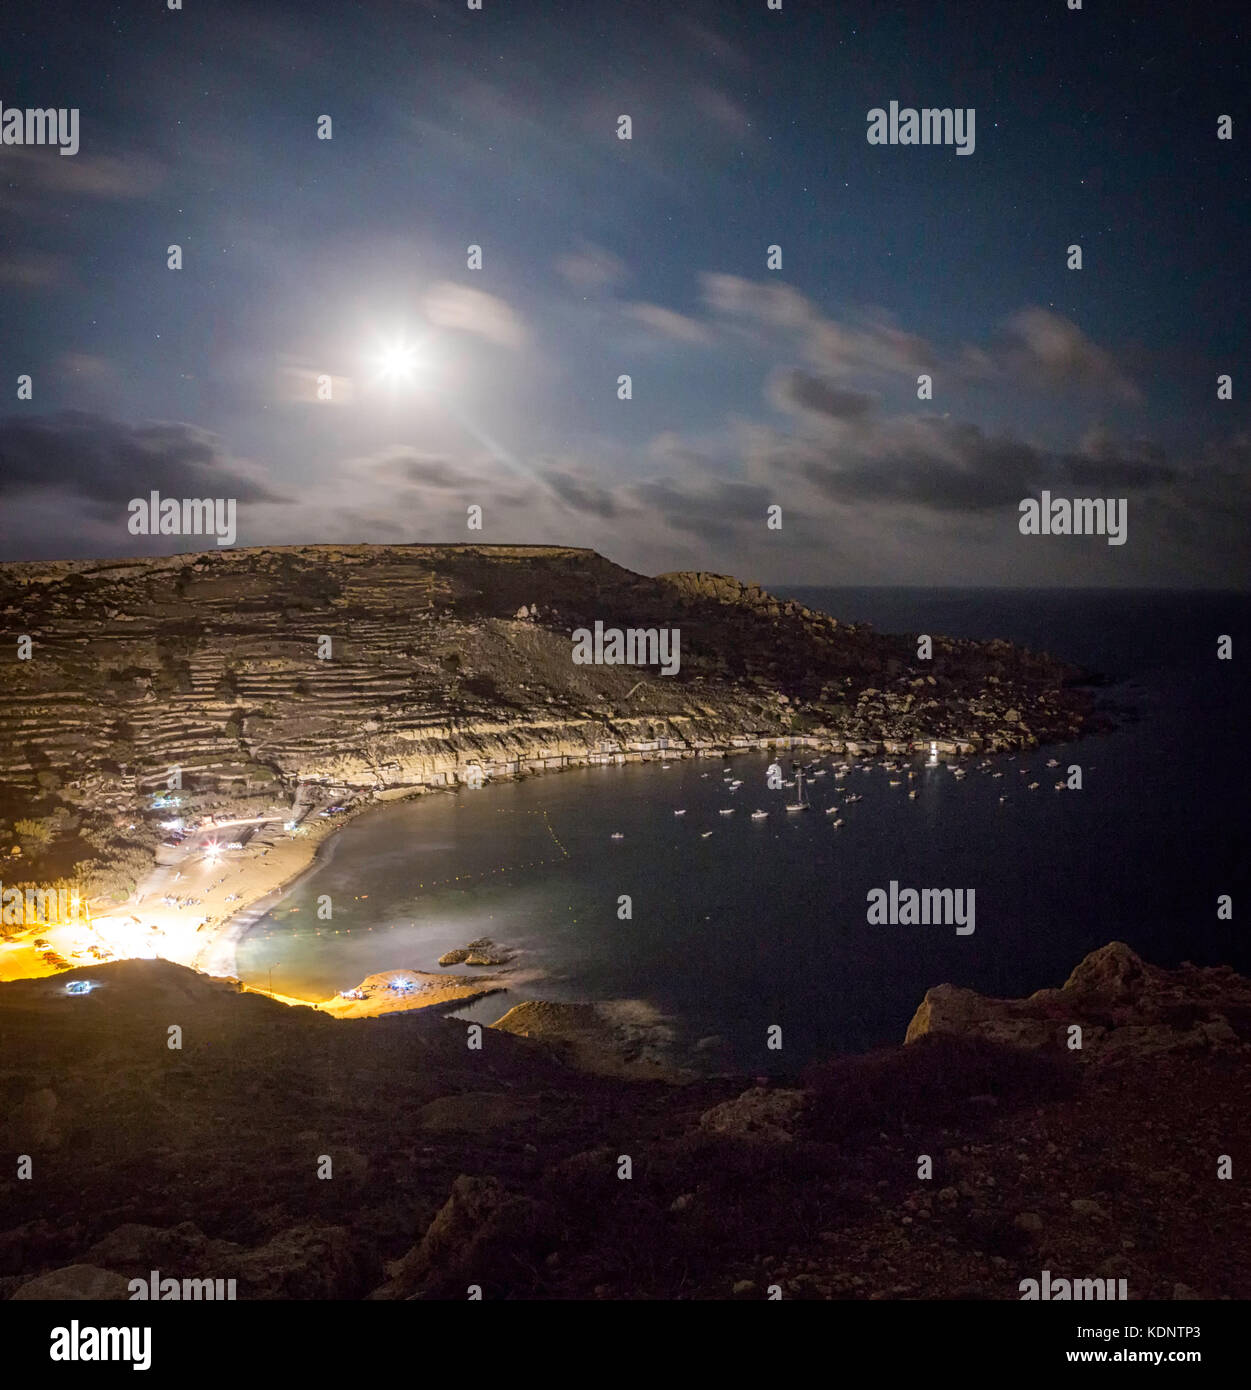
397	363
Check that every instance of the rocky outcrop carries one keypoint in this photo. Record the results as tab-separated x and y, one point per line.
307	1261
770	1116
481	952
1121	1006
480	1224
135	1250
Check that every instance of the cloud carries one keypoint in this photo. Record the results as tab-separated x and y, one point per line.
103	463
301	381
724	112
591	268
944	465
668	322
1036	346
794	390
448	305
406	466
1048	347
581	494
40	170
842	348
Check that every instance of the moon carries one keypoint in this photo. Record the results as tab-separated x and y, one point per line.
397	363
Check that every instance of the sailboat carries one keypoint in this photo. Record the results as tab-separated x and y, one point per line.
801	801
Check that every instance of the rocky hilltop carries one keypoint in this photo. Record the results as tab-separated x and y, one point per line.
381	667
501	1167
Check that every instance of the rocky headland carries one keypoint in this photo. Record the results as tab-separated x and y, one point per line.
291	680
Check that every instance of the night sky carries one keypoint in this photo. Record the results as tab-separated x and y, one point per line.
752	387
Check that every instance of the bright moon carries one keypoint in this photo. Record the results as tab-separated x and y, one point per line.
397	363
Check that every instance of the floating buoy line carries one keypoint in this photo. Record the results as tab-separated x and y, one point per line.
435	883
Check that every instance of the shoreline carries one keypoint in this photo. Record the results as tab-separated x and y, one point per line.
235	927
264	879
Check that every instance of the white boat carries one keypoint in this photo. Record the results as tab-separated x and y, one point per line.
679	813
729	812
837	823
1033	786
913	794
831	810
1053	762
801	802
760	815
705	834
617	835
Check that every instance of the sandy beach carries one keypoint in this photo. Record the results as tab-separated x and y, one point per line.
197	906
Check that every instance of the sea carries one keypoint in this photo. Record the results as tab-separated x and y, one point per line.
732	944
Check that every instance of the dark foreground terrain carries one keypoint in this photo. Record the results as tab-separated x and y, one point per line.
500	1167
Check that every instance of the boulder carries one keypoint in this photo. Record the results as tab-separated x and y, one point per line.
307	1261
478	1234
177	1251
761	1114
1114	972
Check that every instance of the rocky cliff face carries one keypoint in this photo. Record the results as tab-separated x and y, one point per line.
386	666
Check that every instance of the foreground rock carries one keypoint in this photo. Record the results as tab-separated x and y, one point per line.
1121	1006
480	1224
508	1169
771	1116
590	1039
481	952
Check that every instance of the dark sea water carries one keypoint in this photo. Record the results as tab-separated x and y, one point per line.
765	923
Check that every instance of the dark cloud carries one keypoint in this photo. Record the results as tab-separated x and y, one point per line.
791	389
104	462
714	509
581	494
407	466
947	466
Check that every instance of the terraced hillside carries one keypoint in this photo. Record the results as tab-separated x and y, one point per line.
381	666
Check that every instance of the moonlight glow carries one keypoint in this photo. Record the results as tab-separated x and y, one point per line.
397	363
